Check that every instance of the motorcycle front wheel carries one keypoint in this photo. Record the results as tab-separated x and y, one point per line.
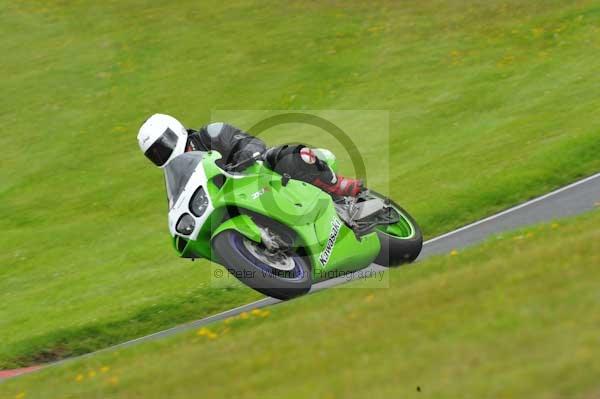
282	275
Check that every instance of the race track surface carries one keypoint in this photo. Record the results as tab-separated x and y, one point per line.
573	199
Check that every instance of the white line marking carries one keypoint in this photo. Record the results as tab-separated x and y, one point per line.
514	208
183	326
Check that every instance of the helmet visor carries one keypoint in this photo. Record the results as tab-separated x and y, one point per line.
160	151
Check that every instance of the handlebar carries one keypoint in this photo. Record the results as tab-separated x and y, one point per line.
257	156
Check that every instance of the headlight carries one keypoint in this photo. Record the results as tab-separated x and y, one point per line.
199	202
186	224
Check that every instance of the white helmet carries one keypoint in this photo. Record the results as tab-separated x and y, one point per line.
162	138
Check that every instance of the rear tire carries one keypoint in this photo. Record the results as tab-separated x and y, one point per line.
396	251
257	273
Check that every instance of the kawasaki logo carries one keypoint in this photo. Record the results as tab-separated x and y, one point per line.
335	229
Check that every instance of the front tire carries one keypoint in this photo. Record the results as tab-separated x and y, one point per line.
398	246
281	278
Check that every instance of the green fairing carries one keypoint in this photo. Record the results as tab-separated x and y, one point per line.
243	224
302	207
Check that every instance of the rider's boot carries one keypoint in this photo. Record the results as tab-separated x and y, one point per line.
341	186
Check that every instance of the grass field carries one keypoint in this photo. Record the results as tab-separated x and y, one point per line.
516	317
490	103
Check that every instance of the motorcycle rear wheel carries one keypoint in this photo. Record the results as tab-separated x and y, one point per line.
401	242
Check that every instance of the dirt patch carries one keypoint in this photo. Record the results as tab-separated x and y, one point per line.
16	372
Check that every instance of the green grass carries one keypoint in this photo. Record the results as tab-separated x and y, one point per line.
489	104
515	317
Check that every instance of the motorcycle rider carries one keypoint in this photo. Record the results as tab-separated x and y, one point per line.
162	138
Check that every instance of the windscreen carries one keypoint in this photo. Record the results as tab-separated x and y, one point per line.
178	172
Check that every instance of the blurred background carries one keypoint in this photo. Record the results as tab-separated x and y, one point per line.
488	103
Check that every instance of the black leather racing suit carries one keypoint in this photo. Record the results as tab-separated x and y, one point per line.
297	161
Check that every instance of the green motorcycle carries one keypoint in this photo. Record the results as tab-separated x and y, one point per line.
279	235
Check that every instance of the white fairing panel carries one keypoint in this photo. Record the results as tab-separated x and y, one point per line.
181	205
